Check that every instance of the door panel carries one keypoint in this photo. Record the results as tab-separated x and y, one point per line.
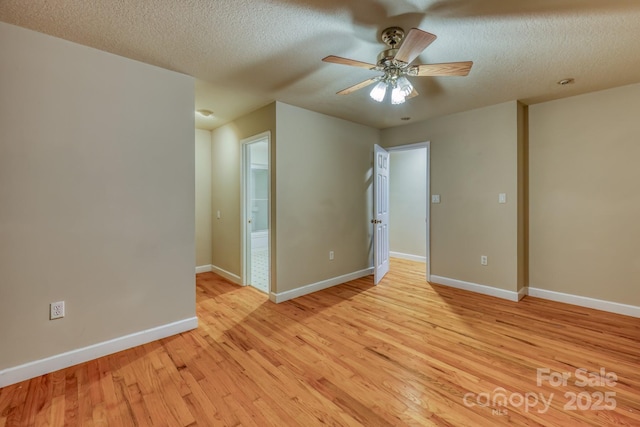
381	213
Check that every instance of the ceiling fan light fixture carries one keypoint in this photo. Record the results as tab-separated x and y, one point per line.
378	92
395	64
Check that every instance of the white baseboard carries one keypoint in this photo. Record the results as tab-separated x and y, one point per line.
613	307
314	287
522	293
475	287
409	257
64	360
204	268
229	276
610	306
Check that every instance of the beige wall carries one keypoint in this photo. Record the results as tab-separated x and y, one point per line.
584	203
225	184
203	197
96	196
474	157
408	202
323	181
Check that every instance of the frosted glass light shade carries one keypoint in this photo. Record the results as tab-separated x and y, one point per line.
405	86
397	96
378	91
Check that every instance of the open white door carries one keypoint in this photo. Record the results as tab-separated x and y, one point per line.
380	219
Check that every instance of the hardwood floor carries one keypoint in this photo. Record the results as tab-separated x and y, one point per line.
402	353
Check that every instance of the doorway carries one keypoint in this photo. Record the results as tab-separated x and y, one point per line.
409	207
256	207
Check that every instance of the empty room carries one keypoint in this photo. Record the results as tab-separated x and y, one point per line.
306	213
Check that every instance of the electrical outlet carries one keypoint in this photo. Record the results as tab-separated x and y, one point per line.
57	310
484	260
330	255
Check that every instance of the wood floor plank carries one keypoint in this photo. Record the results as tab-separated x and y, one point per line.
404	352
71	397
111	382
140	414
16	407
85	407
57	411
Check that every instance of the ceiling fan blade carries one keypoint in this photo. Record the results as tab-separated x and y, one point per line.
444	69
347	61
413	45
360	85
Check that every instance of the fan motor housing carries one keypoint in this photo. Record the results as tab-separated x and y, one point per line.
386	57
392	36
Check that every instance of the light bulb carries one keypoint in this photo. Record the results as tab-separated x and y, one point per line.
405	86
397	96
378	91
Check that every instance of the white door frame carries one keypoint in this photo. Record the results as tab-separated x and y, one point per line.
245	168
427	145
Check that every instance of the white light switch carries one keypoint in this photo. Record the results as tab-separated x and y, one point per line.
502	198
435	198
218	215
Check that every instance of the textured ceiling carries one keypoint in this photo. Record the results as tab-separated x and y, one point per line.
247	53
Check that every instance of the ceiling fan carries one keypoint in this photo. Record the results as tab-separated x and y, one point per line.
395	63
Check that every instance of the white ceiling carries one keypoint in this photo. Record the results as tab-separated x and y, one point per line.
248	53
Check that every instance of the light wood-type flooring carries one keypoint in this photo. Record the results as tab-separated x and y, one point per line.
404	352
